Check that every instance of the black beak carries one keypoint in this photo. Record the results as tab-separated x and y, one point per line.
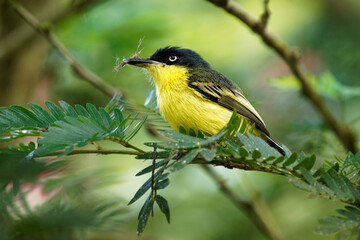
141	62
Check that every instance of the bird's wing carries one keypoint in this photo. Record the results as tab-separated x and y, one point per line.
224	92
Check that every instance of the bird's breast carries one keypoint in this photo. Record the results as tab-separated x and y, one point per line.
182	106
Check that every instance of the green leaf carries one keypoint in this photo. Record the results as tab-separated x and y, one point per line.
290	160
164	206
301	184
279	160
27	117
135	129
68	109
89	125
234	124
258	143
192	132
256	154
185	160
143	189
44	116
182	130
245	141
106	119
179	137
55	110
82	111
150	168
232	147
208	154
243	152
120	120
336	225
306	163
162	184
144	214
352	159
343	186
307	175
94	112
184	141
350	212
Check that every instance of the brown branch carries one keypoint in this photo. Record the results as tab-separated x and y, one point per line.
292	59
233	163
266	15
239	164
262	223
83	72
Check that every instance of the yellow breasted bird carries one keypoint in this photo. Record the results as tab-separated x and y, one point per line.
193	95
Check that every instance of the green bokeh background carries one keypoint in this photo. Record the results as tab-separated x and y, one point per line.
326	36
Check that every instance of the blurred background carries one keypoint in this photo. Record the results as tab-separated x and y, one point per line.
97	33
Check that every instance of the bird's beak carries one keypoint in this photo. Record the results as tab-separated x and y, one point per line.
141	62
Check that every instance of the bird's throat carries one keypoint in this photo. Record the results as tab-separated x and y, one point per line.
166	76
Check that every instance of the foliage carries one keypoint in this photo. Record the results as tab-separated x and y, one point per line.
62	130
346	225
53	220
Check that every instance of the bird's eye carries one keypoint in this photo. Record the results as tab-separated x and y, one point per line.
173	58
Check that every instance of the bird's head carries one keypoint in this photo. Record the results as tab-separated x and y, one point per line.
170	63
171	56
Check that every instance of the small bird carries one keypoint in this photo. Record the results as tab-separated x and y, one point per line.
193	95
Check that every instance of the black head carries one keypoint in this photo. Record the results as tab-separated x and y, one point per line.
179	56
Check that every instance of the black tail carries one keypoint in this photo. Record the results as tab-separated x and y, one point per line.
275	145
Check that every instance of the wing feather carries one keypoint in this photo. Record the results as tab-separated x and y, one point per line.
226	93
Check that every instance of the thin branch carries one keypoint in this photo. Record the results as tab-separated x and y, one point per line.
266	14
83	72
96	151
125	144
247	207
233	163
239	163
292	59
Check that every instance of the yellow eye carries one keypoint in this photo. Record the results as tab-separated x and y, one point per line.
173	58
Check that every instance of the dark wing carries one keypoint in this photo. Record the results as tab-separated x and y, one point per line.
221	90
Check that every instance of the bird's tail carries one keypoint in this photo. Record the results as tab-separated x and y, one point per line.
275	145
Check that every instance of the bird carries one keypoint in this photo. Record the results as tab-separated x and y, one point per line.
192	95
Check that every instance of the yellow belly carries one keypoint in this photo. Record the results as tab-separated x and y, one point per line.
191	111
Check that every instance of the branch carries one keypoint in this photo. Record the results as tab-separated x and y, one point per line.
96	151
125	144
83	72
264	225
265	16
292	59
233	163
